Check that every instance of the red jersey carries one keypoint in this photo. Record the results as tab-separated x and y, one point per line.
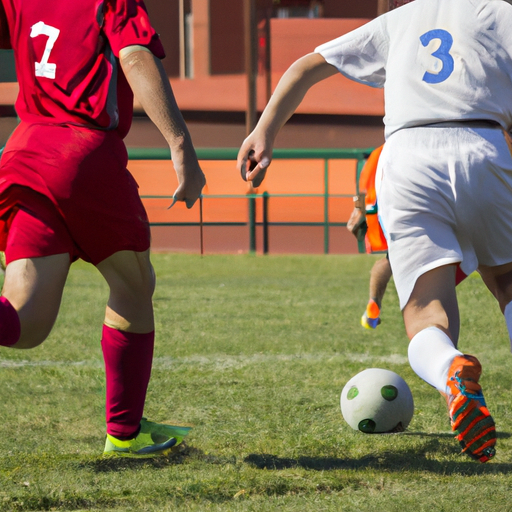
66	59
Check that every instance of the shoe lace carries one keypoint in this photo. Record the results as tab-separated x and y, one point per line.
474	394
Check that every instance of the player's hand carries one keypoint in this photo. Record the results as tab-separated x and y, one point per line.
191	179
253	160
184	193
357	223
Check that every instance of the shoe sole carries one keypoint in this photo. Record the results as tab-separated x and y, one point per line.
164	452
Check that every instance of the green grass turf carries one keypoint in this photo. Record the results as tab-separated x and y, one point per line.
253	351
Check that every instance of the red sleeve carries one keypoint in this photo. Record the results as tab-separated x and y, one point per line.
5	38
127	23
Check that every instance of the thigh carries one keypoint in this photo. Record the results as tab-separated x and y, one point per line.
131	280
38	252
34	287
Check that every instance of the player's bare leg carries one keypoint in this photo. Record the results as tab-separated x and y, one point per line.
127	343
432	322
379	279
131	280
433	302
499	281
34	286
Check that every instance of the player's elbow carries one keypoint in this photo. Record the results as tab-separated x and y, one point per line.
310	69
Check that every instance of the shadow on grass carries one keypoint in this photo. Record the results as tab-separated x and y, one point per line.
108	464
499	435
420	459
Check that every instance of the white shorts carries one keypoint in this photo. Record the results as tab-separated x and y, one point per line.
445	196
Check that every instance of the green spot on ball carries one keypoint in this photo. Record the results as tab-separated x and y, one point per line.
352	393
389	393
367	426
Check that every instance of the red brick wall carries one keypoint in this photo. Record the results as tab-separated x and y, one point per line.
227	28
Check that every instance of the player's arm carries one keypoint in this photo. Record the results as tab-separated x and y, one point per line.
151	87
290	91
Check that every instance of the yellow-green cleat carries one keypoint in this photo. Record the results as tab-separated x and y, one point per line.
152	440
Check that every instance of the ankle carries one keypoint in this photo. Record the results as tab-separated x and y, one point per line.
127	437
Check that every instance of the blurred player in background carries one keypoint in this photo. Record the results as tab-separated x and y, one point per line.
65	192
380	276
364	225
445	173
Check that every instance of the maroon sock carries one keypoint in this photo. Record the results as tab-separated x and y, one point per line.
128	359
10	327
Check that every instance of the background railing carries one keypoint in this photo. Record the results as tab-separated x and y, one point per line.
303	188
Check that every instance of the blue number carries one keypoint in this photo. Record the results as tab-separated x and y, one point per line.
442	53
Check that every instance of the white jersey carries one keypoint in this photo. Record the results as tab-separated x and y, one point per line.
438	60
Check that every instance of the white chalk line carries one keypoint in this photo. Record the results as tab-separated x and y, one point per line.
223	361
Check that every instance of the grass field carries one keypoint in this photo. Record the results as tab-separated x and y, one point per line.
252	351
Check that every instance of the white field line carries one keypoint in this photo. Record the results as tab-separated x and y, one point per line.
222	361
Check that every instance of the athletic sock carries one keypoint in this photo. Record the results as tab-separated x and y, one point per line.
128	359
10	327
431	353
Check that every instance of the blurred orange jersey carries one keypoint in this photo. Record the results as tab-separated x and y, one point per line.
375	240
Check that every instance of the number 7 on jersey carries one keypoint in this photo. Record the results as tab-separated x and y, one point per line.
45	68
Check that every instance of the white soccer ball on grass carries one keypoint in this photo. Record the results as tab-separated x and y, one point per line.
377	401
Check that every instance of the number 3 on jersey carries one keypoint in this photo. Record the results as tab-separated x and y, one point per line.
45	68
442	53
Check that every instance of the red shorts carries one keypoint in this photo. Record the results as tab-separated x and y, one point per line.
35	228
81	197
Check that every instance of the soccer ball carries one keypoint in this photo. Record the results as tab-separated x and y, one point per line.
377	401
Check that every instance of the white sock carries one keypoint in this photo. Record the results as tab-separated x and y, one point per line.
431	353
508	319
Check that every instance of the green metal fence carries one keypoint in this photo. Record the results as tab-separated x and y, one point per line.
360	155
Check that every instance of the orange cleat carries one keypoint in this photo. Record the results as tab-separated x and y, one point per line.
471	421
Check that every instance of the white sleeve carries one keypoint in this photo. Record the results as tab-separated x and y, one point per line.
360	55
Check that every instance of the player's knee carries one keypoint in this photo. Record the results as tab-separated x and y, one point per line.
503	295
129	275
147	282
142	287
504	291
35	327
32	336
151	281
26	327
499	284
